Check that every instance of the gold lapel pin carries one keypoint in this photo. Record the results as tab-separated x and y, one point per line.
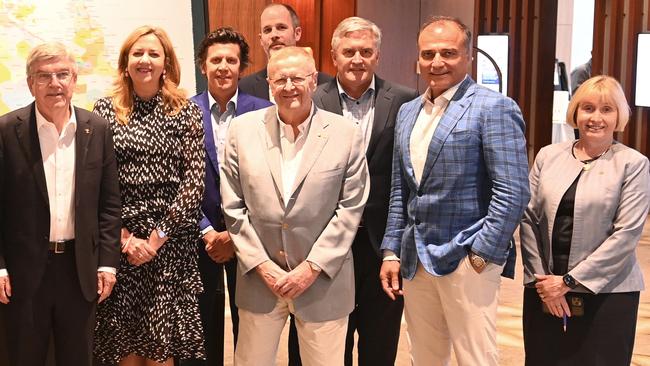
87	130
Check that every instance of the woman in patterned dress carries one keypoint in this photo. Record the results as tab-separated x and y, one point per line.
152	315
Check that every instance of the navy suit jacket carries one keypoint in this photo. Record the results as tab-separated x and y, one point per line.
389	98
211	204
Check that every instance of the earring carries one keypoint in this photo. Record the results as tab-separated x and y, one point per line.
164	75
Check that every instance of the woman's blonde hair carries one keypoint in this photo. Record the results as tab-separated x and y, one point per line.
174	99
606	87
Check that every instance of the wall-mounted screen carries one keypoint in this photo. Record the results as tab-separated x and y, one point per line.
495	45
642	92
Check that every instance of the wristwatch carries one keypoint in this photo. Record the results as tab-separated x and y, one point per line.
570	281
479	263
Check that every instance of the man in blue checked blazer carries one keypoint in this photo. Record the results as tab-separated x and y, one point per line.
458	191
222	55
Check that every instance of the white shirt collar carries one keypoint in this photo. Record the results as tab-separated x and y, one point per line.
446	95
41	120
304	126
213	101
342	91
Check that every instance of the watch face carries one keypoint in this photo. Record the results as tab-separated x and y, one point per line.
569	281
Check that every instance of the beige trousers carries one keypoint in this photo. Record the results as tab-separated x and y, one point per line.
321	343
459	310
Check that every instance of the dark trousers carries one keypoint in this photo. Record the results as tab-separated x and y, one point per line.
604	336
212	307
59	308
376	318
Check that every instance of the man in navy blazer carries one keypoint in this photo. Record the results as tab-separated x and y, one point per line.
222	55
459	189
372	103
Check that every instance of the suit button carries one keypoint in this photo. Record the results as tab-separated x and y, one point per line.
285	226
417	221
281	253
420	194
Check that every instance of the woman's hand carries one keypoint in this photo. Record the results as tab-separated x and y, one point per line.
550	286
156	241
551	290
558	306
138	251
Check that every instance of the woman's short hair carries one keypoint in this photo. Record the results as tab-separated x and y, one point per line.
173	98
50	52
606	87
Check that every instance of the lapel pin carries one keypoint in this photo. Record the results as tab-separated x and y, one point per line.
87	130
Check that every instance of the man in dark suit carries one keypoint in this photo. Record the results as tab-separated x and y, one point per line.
372	103
59	216
279	27
222	55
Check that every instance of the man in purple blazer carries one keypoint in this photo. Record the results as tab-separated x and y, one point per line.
222	55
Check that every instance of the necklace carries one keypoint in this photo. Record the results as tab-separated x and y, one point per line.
586	164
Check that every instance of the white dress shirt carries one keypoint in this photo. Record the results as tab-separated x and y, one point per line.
220	122
361	110
292	149
58	152
425	126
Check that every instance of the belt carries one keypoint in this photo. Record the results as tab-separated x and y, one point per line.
61	246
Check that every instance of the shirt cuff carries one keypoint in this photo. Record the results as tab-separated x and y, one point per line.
206	230
314	267
104	269
3	272
389	255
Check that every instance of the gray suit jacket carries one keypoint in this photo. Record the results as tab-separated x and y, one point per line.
611	206
318	224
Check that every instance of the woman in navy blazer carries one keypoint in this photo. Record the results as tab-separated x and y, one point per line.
589	203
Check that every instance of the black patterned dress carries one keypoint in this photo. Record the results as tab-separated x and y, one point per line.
153	310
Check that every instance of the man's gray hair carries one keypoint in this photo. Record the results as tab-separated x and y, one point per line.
355	24
48	52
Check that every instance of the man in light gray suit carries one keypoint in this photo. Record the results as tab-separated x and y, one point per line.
294	185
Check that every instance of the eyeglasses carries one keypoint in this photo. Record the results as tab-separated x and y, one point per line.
294	80
43	78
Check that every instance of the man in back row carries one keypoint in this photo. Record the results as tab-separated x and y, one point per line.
279	28
371	103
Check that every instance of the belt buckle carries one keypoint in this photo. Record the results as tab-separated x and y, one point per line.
56	247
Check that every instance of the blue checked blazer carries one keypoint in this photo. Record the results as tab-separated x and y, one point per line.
474	186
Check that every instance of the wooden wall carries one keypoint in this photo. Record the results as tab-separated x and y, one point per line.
318	19
531	25
616	25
